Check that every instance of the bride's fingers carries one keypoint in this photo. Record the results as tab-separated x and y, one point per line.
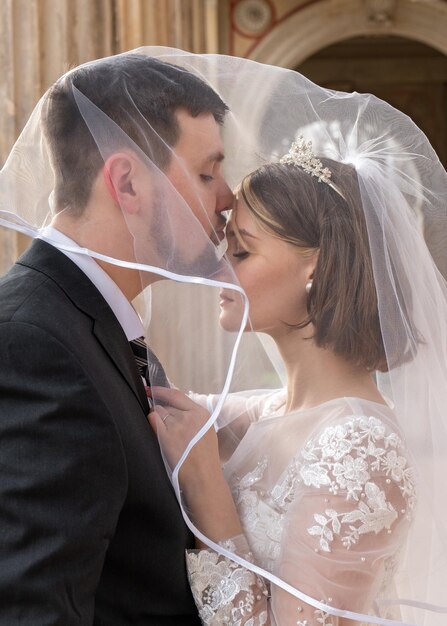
174	397
159	416
166	412
155	421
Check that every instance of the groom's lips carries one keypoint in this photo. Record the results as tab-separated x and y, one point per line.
219	229
217	236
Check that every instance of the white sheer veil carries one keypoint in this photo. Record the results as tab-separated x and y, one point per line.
403	189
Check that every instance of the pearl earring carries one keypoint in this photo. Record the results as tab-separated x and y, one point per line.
308	286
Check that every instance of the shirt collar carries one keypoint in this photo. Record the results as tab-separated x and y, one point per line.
112	294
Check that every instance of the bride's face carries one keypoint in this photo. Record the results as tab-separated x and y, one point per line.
272	272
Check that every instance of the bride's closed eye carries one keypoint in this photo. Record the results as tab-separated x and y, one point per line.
240	254
236	248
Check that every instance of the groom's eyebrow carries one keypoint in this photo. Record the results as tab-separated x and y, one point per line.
215	157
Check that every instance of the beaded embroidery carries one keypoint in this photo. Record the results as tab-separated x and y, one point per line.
344	459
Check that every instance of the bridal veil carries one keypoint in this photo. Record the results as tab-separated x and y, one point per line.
403	189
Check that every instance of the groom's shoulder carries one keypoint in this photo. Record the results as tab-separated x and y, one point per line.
17	286
26	289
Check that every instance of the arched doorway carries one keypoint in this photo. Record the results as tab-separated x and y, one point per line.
395	49
410	75
316	24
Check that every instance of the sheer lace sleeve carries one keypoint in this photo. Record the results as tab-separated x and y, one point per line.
225	592
334	523
348	498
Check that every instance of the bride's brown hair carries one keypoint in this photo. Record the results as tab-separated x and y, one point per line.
342	303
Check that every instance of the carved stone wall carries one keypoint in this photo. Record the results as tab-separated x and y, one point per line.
286	32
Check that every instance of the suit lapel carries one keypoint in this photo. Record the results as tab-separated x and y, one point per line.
48	260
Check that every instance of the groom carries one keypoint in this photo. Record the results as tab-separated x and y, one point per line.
90	530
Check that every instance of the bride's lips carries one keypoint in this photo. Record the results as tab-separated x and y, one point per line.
224	298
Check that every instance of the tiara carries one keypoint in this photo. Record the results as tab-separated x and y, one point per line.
301	155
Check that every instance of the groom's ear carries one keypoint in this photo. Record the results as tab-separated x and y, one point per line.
121	175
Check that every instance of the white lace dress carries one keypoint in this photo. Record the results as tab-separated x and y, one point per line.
325	497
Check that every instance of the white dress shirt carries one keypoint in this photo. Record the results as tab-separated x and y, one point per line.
112	294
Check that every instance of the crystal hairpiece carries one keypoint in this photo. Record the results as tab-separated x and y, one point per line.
301	155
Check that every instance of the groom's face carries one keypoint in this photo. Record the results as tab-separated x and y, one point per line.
195	171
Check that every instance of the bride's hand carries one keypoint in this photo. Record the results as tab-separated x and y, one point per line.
175	424
202	482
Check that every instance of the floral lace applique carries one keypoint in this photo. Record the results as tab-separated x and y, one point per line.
373	515
254	476
224	591
283	492
261	522
345	457
320	617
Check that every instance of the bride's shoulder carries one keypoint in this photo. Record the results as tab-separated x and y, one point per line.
354	418
357	433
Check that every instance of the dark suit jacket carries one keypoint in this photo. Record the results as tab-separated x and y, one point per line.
90	530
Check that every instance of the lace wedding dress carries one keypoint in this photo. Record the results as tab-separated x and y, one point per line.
325	497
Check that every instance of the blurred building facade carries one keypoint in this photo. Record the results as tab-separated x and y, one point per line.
396	49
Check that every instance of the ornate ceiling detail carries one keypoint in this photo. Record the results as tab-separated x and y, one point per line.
253	17
380	12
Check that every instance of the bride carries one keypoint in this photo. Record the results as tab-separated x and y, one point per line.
322	503
320	488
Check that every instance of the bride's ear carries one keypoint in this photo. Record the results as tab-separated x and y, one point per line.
122	176
312	265
313	260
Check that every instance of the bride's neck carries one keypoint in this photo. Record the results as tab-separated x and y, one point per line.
316	375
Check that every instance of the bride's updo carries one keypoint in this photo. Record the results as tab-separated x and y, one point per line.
342	303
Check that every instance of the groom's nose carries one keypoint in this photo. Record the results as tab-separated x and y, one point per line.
225	197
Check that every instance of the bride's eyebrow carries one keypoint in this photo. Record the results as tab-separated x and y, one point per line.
245	233
241	235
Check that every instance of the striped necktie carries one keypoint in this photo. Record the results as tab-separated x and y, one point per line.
148	365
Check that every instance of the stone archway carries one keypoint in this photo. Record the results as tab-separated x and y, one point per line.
320	24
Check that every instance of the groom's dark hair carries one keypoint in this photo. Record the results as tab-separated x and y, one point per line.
155	89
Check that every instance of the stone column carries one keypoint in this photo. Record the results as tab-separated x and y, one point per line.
188	24
39	41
